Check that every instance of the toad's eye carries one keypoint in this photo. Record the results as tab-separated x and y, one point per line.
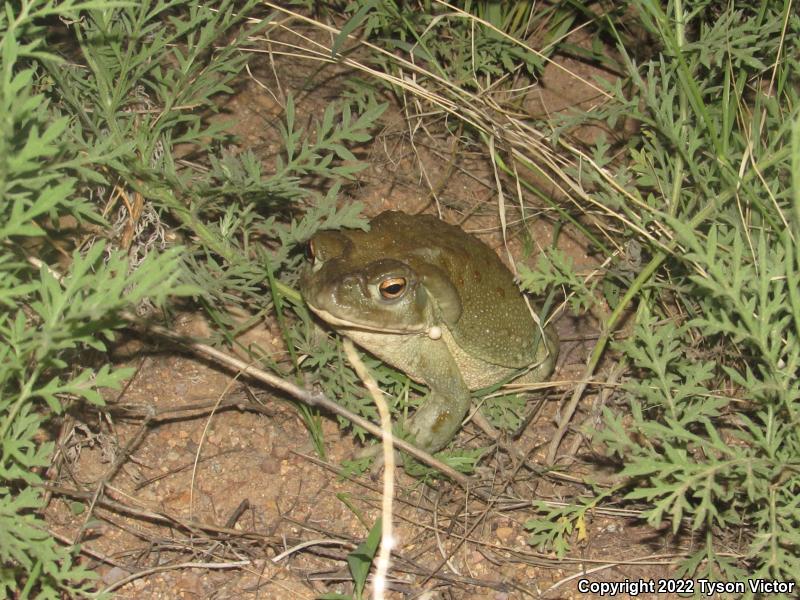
392	287
311	251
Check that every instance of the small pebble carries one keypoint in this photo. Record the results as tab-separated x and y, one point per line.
280	452
504	533
270	465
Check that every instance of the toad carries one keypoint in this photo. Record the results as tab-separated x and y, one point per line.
432	301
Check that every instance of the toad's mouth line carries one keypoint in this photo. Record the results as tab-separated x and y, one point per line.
339	322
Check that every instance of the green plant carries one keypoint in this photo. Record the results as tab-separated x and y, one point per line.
360	561
46	319
102	102
710	444
464	44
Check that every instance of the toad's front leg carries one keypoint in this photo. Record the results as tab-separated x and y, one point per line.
438	420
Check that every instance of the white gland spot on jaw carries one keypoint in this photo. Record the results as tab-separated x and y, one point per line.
435	332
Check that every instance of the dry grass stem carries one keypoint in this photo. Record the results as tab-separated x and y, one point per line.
387	512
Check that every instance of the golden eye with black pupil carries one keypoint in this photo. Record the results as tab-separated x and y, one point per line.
392	288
